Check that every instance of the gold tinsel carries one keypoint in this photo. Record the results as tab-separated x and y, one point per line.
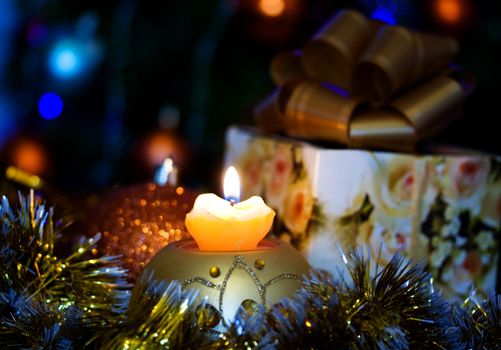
139	220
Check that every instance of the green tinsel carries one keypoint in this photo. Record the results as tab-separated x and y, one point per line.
51	301
48	301
396	309
478	322
160	316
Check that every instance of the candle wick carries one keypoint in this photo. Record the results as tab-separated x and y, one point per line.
232	202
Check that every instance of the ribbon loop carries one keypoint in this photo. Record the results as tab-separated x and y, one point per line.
398	58
425	105
336	47
286	67
313	110
385	66
389	100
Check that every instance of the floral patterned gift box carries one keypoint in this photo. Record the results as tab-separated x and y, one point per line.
445	210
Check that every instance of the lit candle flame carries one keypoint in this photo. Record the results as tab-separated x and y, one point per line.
223	225
231	185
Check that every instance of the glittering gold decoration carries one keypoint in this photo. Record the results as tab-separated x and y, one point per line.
139	220
259	264
250	306
214	271
209	314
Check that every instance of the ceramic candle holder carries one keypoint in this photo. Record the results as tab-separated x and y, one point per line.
230	279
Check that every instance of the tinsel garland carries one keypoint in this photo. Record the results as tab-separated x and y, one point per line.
49	301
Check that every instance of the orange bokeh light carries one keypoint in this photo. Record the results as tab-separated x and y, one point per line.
159	147
29	156
450	11
272	8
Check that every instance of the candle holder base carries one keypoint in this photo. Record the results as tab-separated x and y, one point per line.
230	279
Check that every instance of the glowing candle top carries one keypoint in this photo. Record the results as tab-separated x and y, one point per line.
217	224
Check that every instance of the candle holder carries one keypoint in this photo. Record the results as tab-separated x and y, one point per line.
228	279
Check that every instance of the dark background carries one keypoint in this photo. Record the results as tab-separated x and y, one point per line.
145	79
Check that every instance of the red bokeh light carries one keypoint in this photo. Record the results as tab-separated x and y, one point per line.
450	11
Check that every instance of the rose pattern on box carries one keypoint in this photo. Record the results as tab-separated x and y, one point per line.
276	172
445	210
462	227
458	241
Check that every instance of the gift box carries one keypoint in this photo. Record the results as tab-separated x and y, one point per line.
442	209
369	86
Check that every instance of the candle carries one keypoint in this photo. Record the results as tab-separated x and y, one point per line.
219	224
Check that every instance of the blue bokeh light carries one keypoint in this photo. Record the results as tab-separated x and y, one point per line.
65	60
385	15
50	105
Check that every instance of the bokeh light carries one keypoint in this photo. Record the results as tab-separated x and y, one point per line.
50	105
272	8
384	15
64	60
449	11
160	146
19	176
29	156
155	147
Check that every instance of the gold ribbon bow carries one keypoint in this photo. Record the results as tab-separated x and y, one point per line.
364	84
